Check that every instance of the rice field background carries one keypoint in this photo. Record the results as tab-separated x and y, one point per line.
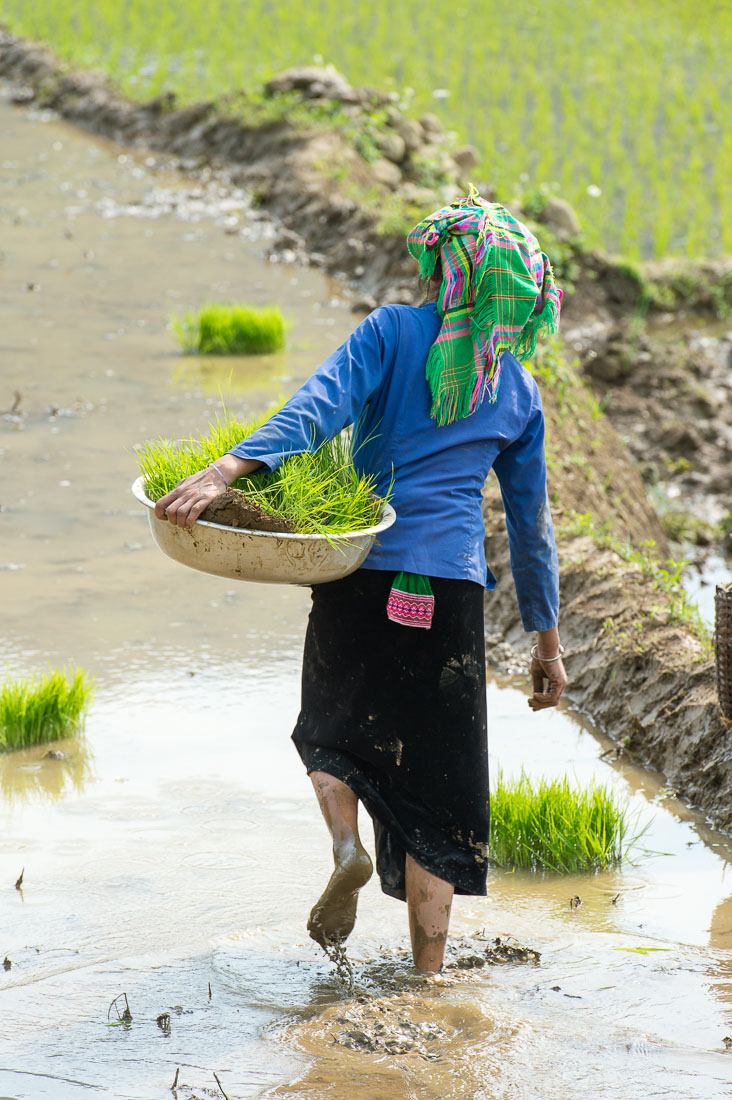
620	108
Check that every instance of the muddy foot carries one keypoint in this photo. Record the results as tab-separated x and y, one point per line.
334	913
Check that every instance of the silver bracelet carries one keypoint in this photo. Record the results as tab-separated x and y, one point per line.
546	660
218	471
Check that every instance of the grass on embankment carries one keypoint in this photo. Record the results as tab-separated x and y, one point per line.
319	492
231	330
550	826
43	708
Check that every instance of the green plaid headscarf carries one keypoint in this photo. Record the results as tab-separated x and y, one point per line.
498	293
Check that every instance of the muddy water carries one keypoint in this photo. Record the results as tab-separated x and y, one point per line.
173	854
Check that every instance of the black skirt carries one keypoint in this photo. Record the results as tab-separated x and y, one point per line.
399	714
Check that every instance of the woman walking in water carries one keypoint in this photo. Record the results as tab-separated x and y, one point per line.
393	687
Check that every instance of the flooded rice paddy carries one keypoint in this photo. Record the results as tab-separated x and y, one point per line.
173	852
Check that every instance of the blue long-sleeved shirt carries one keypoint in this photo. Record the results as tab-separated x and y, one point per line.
376	382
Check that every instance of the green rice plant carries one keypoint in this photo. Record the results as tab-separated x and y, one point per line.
231	330
317	492
550	826
621	108
43	708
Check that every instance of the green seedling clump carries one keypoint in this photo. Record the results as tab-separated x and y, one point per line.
317	492
42	709
549	826
231	330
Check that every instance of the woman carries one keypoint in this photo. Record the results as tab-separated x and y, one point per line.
393	716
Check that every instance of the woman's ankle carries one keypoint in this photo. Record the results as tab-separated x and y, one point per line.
429	902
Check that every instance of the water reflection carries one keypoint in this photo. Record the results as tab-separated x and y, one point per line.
720	937
46	772
226	375
701	582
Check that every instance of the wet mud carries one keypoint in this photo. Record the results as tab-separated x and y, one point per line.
665	385
233	509
171	855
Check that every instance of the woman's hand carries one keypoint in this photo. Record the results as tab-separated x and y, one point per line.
183	505
547	671
550	680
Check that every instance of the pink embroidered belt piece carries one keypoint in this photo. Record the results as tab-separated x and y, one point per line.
410	610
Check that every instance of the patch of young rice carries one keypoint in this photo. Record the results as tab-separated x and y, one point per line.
550	826
43	708
620	108
218	329
317	492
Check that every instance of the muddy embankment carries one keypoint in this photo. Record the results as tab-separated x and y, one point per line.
342	171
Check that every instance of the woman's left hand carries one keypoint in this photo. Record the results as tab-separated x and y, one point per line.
549	680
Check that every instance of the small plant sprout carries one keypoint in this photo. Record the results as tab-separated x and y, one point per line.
317	492
44	708
231	330
549	826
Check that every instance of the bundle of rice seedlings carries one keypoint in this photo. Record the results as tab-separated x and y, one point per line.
43	708
231	330
549	826
319	492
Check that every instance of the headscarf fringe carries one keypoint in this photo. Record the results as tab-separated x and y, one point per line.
544	321
427	263
449	401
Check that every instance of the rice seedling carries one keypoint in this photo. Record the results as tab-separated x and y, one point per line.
43	708
317	492
550	826
621	108
231	330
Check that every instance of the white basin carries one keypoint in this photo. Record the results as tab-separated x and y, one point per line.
266	556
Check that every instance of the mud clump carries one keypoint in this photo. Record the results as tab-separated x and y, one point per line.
390	1028
500	951
503	952
233	509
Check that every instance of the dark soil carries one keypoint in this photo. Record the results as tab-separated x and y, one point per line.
233	509
666	388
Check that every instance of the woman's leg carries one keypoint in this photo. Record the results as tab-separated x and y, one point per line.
334	913
429	900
